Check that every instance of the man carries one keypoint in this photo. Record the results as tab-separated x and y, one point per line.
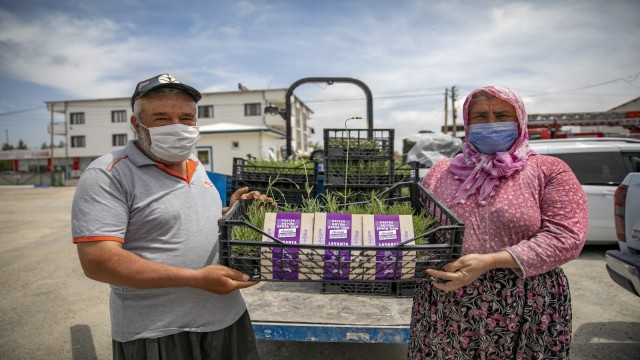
145	220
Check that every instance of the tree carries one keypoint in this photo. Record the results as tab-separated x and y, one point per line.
22	145
61	144
44	146
7	146
6	165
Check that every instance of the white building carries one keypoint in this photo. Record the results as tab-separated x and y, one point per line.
224	141
233	124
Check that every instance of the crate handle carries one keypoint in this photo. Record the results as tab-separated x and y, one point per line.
425	234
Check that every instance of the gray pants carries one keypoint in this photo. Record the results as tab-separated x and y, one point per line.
235	342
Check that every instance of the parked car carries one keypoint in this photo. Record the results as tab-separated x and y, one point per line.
624	265
600	164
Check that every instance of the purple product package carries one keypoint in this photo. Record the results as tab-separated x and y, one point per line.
387	231
282	263
339	230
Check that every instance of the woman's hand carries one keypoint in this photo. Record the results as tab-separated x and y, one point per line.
462	271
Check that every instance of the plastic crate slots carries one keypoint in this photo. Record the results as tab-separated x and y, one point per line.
358	157
358	143
358	161
287	185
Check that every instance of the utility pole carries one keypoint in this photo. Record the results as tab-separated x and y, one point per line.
453	109
446	110
66	144
51	149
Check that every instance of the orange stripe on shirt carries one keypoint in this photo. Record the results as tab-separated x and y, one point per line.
115	161
81	239
191	169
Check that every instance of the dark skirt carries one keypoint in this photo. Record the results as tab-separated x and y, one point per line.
499	316
235	342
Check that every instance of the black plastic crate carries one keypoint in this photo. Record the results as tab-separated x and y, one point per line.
358	143
359	172
283	194
405	288
408	172
246	170
378	180
287	185
440	244
358	288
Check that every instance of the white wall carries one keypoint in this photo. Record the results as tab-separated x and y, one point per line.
229	106
97	128
254	143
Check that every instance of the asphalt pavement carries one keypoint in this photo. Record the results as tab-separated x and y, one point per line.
50	310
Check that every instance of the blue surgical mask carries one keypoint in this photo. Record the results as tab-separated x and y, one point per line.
490	138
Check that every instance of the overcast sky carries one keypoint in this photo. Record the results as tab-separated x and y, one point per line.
562	56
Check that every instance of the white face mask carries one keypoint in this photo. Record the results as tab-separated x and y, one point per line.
172	143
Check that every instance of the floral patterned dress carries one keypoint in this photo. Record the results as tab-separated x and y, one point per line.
539	216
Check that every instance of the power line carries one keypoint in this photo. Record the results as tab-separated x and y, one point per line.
22	111
375	97
628	79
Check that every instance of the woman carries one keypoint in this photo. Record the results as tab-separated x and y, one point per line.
525	215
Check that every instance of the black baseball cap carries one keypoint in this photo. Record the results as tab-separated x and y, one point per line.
163	81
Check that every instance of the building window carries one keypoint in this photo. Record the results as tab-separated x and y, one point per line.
118	116
78	142
203	156
119	139
254	109
76	118
205	111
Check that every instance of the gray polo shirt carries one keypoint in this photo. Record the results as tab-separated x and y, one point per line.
124	196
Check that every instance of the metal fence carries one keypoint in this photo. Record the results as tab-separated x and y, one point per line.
57	178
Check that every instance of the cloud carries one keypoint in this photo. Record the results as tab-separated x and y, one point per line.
539	48
64	53
527	45
86	57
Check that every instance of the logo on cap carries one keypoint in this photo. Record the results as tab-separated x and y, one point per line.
163	80
166	78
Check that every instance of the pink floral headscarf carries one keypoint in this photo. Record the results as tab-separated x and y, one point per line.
483	172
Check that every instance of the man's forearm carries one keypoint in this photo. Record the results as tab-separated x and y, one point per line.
114	265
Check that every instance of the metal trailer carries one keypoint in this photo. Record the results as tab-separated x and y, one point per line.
308	310
301	312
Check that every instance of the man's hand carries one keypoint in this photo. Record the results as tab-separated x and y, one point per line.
245	194
223	280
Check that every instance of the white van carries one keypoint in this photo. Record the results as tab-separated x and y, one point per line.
600	164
